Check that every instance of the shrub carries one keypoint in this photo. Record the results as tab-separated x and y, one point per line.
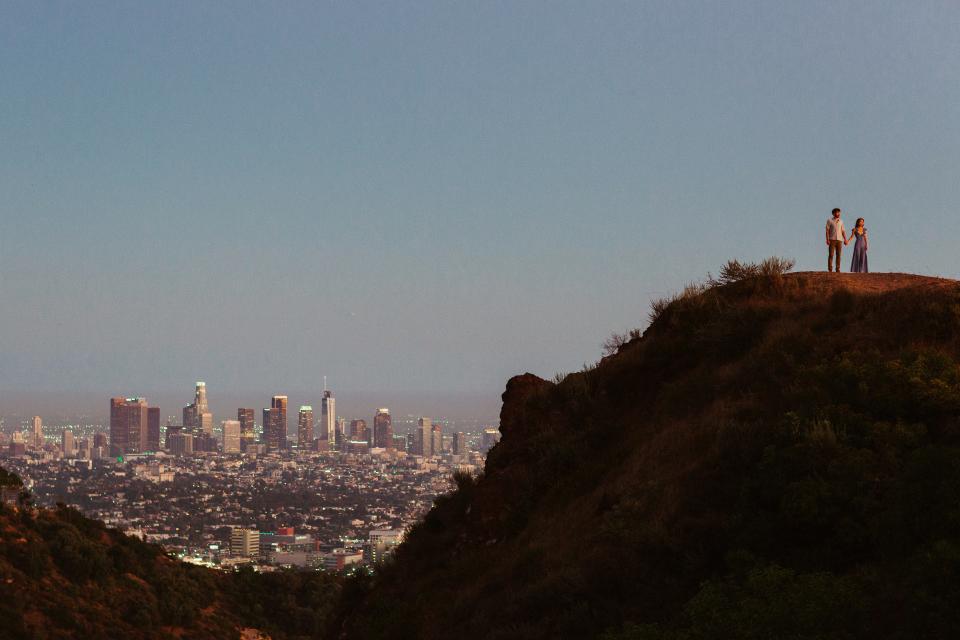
691	291
736	271
617	340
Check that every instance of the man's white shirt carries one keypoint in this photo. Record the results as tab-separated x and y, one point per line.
835	229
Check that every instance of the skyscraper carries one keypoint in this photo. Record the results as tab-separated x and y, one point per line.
36	433
190	419
269	435
153	429
128	425
383	429
200	398
491	436
180	444
305	429
328	419
424	443
460	443
206	423
231	436
247	433
358	431
275	424
67	445
436	436
193	414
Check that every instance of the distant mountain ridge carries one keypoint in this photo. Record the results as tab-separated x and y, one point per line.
774	458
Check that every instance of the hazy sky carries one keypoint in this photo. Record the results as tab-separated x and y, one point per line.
432	197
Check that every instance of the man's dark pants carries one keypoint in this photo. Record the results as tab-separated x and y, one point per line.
836	246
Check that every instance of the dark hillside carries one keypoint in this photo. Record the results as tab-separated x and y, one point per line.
65	576
774	458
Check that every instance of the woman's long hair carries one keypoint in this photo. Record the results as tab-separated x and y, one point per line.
856	225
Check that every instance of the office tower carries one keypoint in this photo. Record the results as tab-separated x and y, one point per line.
36	433
153	429
206	423
437	438
193	413
383	542
17	446
424	437
191	420
279	405
275	424
244	542
100	439
269	436
460	443
247	433
305	429
86	449
66	443
200	398
231	436
180	444
172	430
358	431
328	419
205	442
340	435
128	425
383	429
491	436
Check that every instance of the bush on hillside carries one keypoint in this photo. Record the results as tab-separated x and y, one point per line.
772	268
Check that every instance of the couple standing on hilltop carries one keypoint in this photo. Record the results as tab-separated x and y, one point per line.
837	238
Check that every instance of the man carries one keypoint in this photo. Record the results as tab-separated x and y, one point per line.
836	237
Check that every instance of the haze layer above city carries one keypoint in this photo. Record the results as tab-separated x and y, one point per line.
421	200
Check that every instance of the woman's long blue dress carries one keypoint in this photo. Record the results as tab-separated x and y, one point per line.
859	262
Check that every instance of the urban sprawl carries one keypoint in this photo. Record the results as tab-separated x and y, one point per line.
334	495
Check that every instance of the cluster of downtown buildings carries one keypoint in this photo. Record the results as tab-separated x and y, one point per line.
331	495
135	428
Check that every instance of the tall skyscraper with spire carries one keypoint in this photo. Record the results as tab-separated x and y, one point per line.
328	417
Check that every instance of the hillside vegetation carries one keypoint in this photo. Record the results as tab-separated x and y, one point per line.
65	576
776	457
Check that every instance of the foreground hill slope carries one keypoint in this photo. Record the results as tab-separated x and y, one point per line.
65	576
777	457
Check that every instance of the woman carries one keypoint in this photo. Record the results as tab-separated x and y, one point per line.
859	235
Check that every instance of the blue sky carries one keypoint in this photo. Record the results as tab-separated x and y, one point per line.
431	197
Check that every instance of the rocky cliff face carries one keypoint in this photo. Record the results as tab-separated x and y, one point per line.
778	457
